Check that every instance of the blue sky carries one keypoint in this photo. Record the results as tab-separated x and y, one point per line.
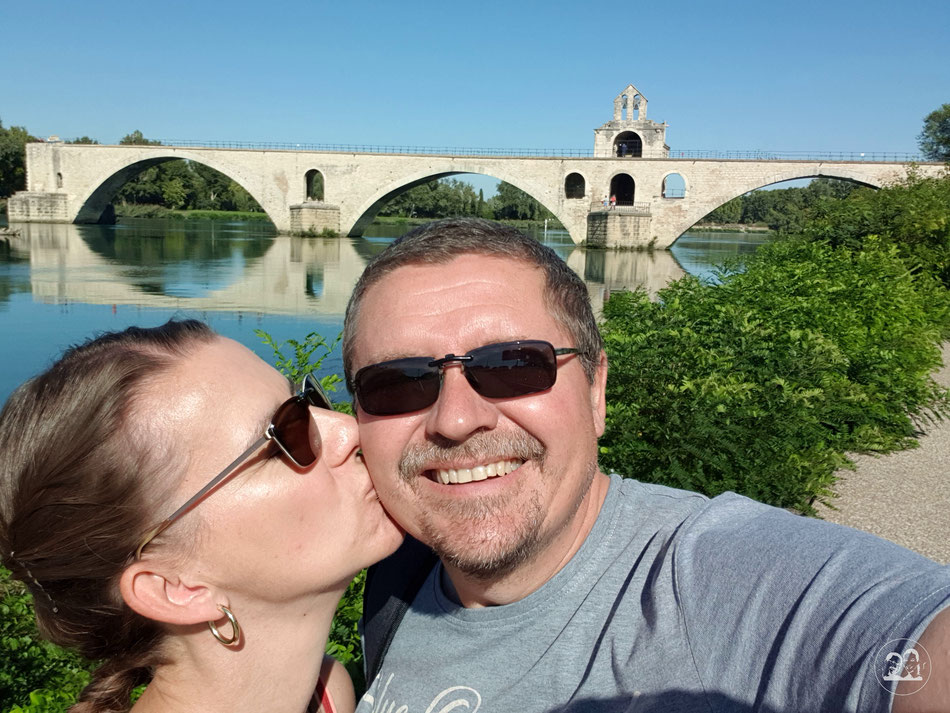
779	76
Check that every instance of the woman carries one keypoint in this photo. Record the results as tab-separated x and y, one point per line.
226	603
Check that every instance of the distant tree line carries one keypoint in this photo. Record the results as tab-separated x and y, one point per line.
784	209
451	197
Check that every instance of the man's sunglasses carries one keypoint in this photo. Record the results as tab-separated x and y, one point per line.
289	429
496	371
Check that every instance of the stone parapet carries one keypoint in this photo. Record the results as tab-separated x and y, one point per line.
37	207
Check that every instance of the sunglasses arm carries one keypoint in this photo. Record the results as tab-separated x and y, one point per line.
197	497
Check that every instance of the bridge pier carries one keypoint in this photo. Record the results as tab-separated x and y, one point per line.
38	207
621	227
314	218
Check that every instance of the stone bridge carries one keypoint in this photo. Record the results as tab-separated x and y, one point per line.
659	196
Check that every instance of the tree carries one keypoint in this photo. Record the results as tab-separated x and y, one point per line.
13	143
934	140
82	140
137	139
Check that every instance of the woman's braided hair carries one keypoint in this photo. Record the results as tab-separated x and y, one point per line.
76	491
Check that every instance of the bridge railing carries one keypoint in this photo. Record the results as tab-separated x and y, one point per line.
622	207
686	154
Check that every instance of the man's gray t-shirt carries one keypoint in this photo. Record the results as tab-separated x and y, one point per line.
675	603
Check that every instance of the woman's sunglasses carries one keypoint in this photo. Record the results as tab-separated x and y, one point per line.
496	371
289	429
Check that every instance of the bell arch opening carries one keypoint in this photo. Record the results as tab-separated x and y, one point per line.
574	186
628	144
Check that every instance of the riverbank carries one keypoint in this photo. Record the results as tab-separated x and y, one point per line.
904	496
157	211
731	228
520	224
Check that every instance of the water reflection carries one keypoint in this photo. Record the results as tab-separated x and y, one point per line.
180	266
61	283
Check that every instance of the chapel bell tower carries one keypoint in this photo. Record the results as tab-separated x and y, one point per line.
630	134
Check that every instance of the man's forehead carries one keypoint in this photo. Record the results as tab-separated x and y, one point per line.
464	301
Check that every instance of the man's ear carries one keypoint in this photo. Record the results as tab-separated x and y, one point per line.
598	394
159	593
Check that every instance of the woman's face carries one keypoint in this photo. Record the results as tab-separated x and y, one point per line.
272	530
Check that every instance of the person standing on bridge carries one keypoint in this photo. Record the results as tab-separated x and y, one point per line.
534	582
613	202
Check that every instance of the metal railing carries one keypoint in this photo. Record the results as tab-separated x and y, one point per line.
622	207
686	154
381	149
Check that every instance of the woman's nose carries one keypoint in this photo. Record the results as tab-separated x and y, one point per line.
338	435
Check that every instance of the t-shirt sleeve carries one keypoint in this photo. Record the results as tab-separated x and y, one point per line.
795	611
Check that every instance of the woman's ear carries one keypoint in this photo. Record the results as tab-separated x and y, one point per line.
160	593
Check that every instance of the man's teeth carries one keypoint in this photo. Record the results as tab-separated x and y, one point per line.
480	472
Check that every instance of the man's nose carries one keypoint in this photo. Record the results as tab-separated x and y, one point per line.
460	411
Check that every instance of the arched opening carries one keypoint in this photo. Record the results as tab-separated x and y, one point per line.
674	186
574	186
59	180
622	187
452	193
314	188
628	144
165	183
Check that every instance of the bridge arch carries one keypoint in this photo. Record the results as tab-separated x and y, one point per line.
701	209
368	209
95	202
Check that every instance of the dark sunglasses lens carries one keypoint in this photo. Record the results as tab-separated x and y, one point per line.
292	430
501	371
399	386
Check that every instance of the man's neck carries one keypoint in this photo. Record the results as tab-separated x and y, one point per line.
475	592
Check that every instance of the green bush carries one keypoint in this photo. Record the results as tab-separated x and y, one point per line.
35	675
760	384
913	214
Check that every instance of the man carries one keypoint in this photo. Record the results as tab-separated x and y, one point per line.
478	375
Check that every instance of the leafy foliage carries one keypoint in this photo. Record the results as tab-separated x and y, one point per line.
934	139
34	674
912	214
785	210
450	197
760	384
303	361
13	143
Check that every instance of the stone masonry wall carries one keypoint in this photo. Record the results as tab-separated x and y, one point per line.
36	207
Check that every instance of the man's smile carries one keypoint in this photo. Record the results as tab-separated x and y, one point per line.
479	472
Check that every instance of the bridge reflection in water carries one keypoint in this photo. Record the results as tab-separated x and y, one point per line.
260	273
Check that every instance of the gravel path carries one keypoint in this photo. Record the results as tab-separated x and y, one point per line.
904	496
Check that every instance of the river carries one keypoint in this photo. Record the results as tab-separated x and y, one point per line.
61	283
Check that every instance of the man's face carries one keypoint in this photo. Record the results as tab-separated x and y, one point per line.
547	441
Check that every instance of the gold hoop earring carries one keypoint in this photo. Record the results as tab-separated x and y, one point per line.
235	628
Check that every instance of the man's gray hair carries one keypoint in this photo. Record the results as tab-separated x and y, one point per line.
442	241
